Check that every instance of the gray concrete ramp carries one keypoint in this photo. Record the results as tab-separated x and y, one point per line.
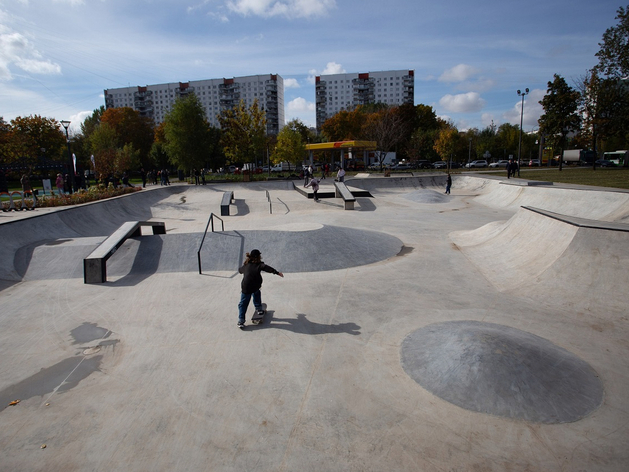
419	332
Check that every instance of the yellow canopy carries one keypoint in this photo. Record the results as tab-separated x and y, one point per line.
341	145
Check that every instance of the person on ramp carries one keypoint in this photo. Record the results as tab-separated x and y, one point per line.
251	283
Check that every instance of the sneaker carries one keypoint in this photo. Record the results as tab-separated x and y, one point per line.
241	324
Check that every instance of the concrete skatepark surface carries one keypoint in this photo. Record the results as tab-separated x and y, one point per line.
149	372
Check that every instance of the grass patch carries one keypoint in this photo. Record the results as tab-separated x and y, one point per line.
601	177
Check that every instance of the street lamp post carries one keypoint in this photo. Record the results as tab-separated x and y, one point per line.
66	125
521	94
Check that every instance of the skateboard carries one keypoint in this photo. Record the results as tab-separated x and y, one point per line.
258	316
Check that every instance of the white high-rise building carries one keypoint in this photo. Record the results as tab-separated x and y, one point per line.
155	101
338	92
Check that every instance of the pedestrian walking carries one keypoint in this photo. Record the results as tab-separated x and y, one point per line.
448	184
251	282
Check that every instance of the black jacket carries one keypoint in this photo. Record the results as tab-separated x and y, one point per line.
252	280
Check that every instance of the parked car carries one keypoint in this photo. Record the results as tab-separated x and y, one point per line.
440	165
501	163
475	164
423	165
455	165
401	166
534	163
605	163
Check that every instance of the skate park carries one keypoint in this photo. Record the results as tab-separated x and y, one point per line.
482	330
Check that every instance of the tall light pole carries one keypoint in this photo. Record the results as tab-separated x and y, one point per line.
66	125
521	94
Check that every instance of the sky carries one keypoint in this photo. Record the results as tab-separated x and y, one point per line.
469	57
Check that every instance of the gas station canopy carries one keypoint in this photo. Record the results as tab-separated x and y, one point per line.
367	145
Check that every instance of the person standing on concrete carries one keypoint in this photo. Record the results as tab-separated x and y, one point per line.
306	176
59	184
251	283
509	168
448	184
314	183
26	186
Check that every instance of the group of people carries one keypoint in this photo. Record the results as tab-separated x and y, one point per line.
311	181
512	168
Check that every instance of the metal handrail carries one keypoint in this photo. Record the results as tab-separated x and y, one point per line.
268	197
209	221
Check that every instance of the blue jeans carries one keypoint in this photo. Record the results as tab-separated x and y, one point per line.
244	303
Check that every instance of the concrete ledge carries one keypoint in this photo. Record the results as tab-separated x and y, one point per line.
581	222
225	202
95	265
343	192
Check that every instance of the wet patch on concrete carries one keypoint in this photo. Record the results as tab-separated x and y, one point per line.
503	371
89	332
61	377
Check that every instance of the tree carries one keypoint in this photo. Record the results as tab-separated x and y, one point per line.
446	142
104	146
344	125
425	128
613	55
387	128
290	146
186	134
243	132
507	139
32	136
560	113
131	128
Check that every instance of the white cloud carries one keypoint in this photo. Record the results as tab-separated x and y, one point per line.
287	8
38	67
17	50
300	105
291	83
333	68
532	110
459	73
462	103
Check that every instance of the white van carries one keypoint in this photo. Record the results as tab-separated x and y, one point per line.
283	167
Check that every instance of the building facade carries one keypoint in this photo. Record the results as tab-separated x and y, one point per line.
216	95
337	92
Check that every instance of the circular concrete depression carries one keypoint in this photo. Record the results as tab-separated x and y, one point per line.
498	370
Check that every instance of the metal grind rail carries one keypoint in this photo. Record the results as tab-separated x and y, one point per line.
210	221
268	197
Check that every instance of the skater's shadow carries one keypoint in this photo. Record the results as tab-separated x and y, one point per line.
302	325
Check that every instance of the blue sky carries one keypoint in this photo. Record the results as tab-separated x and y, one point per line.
470	58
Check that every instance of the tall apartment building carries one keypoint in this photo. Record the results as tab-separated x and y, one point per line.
338	92
155	101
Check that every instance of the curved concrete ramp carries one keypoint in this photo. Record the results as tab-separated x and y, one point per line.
502	371
542	256
322	248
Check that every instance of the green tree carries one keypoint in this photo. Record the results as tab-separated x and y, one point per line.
560	114
613	55
186	134
243	133
131	128
290	146
507	140
104	146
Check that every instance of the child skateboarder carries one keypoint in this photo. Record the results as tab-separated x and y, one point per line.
314	183
251	283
